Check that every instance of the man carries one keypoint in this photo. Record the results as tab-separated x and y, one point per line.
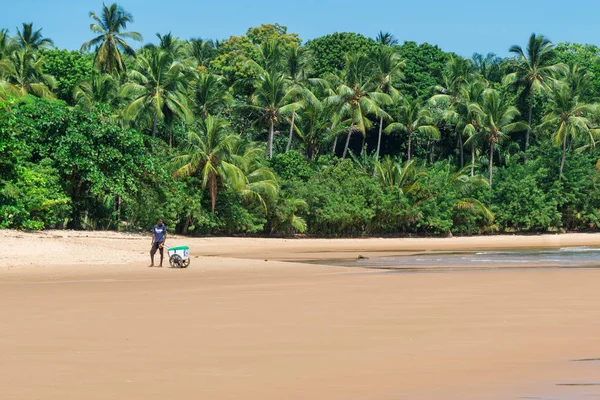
159	234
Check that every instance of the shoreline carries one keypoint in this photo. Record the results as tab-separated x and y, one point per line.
59	247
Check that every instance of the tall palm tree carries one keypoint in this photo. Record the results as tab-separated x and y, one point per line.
356	97
156	88
111	40
209	94
465	114
297	68
273	99
208	153
569	117
30	39
497	120
535	69
413	118
202	52
170	44
388	72
458	72
23	74
316	125
386	39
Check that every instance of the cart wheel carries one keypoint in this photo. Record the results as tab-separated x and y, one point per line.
175	261
185	263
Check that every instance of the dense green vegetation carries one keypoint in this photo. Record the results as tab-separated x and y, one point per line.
262	133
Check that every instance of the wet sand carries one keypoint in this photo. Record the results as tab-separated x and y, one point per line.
83	317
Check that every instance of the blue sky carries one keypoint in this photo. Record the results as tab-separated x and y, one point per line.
462	26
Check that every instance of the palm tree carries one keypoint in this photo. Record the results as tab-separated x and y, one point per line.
169	44
298	69
111	40
458	72
535	69
497	120
568	117
28	39
23	74
579	81
224	159
413	118
317	124
388	70
487	66
101	88
156	87
210	95
208	152
386	39
273	99
257	182
7	44
396	176
201	51
465	114
356	97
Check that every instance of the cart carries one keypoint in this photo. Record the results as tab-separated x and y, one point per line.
179	256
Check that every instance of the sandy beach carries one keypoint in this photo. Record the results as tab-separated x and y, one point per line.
83	317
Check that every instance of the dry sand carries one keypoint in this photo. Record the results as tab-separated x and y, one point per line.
81	317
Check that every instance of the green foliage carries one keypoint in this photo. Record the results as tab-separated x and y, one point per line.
35	199
69	68
586	56
424	65
330	51
273	32
95	161
87	160
291	166
523	200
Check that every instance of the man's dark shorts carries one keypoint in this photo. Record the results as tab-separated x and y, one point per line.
156	246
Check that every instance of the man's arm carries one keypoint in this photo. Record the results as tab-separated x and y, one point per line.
153	235
165	235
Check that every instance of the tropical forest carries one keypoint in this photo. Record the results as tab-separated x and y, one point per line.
269	134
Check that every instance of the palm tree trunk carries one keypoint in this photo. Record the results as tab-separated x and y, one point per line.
117	210
472	159
291	132
378	144
270	141
491	162
409	144
362	146
154	125
529	120
213	191
379	138
460	143
334	145
564	154
347	143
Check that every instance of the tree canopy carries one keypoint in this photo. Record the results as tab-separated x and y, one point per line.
262	133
